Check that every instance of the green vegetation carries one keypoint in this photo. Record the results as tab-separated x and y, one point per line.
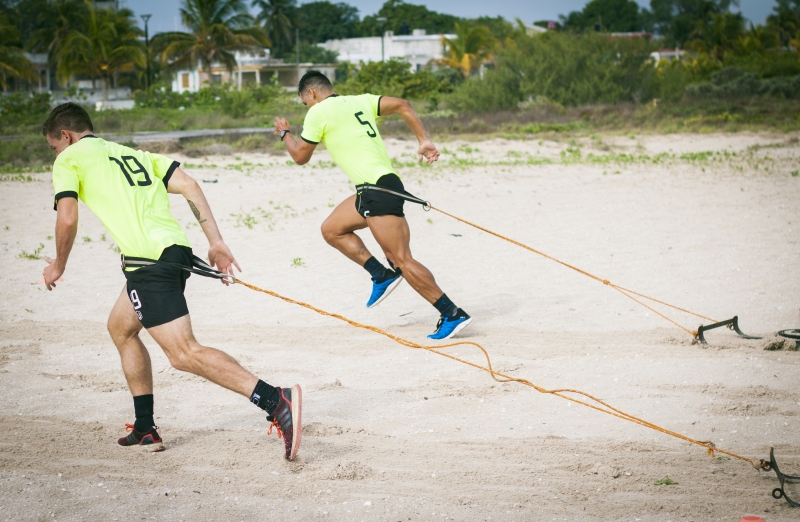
104	41
392	78
297	262
496	79
218	29
666	481
36	254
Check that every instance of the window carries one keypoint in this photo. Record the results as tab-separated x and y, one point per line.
184	80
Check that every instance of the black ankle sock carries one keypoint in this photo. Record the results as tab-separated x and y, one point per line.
143	405
378	272
445	306
265	396
394	268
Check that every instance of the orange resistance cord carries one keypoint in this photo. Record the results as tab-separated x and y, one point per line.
502	377
624	291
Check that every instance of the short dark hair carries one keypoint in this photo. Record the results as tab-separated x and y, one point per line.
313	79
67	116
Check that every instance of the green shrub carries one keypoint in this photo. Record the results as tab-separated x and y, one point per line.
738	82
568	69
225	96
392	78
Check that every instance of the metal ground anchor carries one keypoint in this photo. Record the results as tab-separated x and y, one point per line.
777	493
732	324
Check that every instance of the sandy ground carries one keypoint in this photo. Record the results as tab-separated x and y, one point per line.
397	434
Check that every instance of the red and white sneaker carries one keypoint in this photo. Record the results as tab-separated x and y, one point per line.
149	441
287	419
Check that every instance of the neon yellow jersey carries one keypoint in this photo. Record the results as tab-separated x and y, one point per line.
126	189
346	124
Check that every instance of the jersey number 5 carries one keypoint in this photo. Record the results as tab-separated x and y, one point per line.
371	132
139	170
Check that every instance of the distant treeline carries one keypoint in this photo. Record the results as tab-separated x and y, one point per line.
490	64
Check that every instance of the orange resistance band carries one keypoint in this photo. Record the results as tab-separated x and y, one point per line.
624	291
598	405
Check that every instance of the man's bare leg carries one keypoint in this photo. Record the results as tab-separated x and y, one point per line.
338	230
187	355
393	235
124	327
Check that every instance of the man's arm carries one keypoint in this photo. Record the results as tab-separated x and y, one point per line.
66	231
219	255
389	106
299	150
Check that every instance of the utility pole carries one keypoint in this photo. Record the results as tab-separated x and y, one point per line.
297	51
146	17
382	20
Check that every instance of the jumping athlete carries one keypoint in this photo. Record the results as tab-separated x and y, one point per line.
127	189
346	124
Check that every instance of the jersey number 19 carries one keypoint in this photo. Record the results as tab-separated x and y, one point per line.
139	170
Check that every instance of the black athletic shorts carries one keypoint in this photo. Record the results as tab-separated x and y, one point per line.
156	291
371	203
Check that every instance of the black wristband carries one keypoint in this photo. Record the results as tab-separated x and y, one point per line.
284	133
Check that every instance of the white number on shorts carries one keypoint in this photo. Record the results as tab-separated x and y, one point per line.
135	300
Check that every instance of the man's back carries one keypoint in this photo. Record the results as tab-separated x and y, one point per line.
126	189
347	126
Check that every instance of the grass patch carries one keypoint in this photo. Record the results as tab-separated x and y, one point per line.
666	481
36	254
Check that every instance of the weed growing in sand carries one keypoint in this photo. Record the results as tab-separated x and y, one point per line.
102	237
87	239
297	261
16	177
722	457
245	219
666	481
29	310
36	254
795	173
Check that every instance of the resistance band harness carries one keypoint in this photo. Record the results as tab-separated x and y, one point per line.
202	268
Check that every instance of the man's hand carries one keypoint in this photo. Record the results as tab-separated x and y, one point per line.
281	125
220	256
427	151
51	273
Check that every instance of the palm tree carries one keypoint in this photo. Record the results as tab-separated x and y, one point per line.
472	46
56	21
107	42
717	35
13	63
218	29
279	18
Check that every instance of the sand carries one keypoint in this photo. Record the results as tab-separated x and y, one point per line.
399	434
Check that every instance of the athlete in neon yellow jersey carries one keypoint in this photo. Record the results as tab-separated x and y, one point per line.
127	189
347	125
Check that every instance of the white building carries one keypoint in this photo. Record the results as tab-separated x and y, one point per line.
250	69
419	49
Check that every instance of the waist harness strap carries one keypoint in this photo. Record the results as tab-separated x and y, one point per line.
364	187
198	267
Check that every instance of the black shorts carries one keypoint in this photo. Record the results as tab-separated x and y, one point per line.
156	291
371	203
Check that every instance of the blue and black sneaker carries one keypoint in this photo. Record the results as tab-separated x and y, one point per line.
381	291
448	326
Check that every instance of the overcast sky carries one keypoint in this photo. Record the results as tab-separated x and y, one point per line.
166	16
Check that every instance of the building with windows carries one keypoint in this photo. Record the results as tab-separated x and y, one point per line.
250	69
419	48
